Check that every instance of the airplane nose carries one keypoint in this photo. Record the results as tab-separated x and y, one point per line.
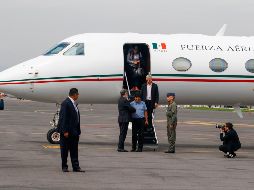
17	79
11	80
6	81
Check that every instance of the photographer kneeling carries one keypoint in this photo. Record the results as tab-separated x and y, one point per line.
231	142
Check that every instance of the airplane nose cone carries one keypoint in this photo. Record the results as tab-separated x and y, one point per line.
5	81
17	79
11	78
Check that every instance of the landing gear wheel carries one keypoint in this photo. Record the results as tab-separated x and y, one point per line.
53	136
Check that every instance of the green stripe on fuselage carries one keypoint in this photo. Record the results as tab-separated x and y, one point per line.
68	77
203	76
121	75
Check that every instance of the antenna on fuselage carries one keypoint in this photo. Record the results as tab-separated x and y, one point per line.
222	31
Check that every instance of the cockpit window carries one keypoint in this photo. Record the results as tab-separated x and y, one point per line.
77	49
55	50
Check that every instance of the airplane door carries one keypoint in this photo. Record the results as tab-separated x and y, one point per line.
135	74
32	73
137	65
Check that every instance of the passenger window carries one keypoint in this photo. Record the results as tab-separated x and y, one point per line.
181	64
218	65
249	65
55	50
77	49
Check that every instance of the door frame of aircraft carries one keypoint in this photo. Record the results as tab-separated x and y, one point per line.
145	63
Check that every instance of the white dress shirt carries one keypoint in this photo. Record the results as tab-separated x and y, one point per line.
149	92
75	106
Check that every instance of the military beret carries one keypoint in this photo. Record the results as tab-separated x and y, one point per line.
171	94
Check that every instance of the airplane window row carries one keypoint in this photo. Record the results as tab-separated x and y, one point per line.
77	49
183	64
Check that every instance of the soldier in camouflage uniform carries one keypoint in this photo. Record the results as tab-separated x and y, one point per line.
171	114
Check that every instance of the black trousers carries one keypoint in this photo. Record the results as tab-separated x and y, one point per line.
150	109
138	126
123	126
1	104
66	145
231	148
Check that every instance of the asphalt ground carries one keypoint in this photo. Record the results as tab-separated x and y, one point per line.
28	161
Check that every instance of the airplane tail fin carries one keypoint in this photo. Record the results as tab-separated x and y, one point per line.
221	32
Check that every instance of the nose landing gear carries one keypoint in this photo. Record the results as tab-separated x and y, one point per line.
53	136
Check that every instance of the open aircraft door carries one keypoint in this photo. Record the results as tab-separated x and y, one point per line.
135	77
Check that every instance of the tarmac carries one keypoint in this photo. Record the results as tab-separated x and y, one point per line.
29	162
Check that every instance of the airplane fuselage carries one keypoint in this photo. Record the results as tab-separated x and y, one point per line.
99	73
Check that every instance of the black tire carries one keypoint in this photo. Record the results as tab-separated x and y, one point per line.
53	136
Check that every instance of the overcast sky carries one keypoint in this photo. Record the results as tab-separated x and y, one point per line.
29	27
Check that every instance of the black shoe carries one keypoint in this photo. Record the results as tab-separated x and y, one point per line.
169	152
122	150
226	155
133	150
65	170
79	170
139	150
231	155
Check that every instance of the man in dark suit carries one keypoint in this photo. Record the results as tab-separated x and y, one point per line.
124	118
69	129
231	142
150	95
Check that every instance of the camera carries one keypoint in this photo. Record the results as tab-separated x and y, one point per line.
219	126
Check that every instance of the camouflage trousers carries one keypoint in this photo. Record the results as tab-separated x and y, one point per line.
171	132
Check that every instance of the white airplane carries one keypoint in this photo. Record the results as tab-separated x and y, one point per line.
200	69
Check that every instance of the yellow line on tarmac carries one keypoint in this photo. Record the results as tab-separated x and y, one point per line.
51	146
97	135
243	124
213	123
202	151
160	121
197	138
199	123
204	135
6	132
104	148
37	133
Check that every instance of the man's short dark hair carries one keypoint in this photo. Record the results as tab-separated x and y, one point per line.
229	125
137	94
73	91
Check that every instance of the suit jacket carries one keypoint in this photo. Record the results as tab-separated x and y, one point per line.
125	110
231	138
154	93
69	119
